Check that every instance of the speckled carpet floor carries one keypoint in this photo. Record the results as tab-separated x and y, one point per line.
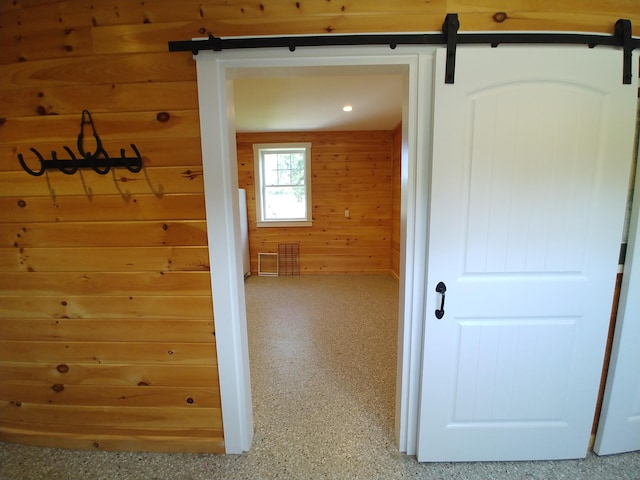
323	360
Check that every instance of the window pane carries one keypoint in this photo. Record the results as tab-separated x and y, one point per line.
271	177
284	177
284	203
297	177
270	161
297	161
299	194
284	161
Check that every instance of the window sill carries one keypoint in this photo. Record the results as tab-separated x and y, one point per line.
289	223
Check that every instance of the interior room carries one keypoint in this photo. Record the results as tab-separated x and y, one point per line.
135	342
355	162
345	269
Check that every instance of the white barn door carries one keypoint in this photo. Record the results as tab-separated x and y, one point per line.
532	149
619	427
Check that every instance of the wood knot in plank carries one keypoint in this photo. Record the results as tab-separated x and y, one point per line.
500	17
57	387
191	175
62	368
163	117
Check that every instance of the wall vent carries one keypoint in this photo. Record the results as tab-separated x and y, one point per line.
289	259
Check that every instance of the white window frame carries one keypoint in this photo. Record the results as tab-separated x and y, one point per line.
258	148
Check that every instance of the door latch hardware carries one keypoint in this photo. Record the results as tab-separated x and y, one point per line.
441	288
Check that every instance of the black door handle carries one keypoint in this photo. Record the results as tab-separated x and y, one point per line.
441	288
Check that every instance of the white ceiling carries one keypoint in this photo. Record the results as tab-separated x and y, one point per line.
307	99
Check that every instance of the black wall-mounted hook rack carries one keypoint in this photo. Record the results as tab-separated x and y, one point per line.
99	160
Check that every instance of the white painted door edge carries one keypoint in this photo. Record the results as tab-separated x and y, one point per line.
619	423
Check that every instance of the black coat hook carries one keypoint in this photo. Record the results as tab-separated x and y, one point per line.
99	160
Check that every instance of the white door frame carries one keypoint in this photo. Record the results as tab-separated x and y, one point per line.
215	93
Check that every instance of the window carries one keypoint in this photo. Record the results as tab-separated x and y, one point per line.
283	188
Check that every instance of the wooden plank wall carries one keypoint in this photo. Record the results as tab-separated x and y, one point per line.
349	170
396	186
104	288
106	319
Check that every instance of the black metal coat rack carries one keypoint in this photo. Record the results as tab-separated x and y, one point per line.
99	160
450	37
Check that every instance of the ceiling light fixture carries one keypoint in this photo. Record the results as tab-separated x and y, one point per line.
347	108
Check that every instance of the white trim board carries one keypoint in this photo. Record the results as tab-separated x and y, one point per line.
215	93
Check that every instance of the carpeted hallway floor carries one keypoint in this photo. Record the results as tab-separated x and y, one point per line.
323	363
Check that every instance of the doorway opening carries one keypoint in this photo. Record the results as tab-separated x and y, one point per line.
216	73
324	349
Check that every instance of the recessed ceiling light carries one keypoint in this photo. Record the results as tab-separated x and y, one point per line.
347	108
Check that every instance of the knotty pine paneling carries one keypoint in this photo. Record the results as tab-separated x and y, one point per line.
98	375
124	97
117	438
105	259
196	418
181	330
396	186
163	180
104	234
114	396
349	170
106	283
160	182
188	206
102	352
99	70
105	279
116	130
32	31
110	57
139	308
